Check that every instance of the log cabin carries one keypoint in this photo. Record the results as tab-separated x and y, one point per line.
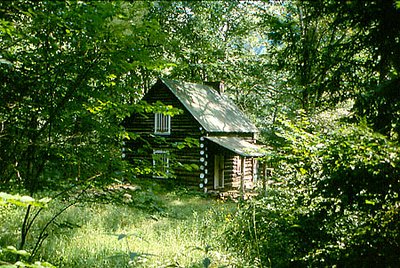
223	152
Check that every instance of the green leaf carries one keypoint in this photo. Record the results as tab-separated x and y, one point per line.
180	145
4	61
22	201
206	262
133	255
303	171
13	250
121	236
26	199
369	202
9	266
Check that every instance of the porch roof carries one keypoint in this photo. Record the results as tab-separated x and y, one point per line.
238	145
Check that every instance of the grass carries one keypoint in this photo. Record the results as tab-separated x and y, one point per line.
147	229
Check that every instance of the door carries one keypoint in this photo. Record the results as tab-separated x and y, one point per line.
218	171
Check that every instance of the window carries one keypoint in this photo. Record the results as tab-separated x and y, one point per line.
160	164
162	124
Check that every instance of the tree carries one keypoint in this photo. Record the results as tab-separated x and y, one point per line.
336	52
70	73
332	199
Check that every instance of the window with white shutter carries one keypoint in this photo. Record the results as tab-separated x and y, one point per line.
162	124
160	163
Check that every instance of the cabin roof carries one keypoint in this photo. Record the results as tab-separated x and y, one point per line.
238	145
214	111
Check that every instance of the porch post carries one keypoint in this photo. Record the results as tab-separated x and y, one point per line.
243	164
264	178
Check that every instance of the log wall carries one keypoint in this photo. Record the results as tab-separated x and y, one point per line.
183	126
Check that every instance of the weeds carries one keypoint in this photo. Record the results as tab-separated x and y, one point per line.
175	229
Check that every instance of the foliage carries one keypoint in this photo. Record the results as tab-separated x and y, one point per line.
334	201
6	252
72	71
329	52
70	75
22	201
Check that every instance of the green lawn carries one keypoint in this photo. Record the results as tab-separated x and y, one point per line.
142	229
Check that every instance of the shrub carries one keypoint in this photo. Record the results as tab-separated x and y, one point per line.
334	201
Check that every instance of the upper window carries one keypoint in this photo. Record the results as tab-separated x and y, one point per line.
162	124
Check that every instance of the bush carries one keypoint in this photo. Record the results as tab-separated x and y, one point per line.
334	201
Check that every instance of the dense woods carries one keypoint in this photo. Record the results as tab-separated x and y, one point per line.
321	79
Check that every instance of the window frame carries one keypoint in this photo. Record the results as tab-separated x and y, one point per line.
162	124
164	157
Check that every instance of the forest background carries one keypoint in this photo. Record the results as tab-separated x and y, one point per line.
320	79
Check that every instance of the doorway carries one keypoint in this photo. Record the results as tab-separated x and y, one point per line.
218	171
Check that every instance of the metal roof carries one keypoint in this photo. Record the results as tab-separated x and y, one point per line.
238	146
215	112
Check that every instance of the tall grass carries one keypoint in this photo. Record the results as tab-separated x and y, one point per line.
164	230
